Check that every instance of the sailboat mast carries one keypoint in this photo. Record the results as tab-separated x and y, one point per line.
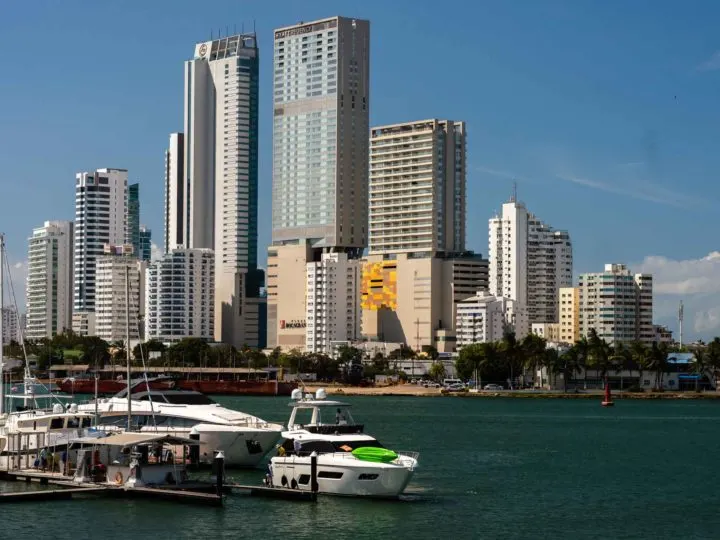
2	303
127	342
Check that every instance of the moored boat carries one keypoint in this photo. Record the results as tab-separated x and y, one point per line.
349	462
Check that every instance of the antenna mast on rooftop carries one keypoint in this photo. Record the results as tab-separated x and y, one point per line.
513	198
681	315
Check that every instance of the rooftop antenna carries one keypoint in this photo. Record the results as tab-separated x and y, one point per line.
514	192
234	28
227	31
211	34
253	26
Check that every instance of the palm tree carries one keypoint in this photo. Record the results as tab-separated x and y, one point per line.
533	350
641	356
583	352
658	362
700	364
511	353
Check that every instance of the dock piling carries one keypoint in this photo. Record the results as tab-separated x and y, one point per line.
313	473
219	470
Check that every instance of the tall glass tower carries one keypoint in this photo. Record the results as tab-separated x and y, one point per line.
221	178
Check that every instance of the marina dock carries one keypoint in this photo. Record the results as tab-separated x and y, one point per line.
273	492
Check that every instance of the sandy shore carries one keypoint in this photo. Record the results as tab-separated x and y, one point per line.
415	390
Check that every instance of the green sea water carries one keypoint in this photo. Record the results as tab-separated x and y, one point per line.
489	468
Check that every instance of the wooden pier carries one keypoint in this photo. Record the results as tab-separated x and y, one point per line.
273	492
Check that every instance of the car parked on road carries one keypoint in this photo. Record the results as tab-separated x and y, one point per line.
493	387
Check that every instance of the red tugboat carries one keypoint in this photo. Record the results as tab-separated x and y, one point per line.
73	385
607	401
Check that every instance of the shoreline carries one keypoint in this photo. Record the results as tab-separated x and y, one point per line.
411	390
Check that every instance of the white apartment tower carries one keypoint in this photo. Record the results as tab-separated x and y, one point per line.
120	294
529	261
617	305
220	188
101	214
179	296
175	193
50	280
333	302
417	187
10	325
321	75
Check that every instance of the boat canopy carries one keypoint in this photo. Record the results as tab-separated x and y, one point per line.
136	439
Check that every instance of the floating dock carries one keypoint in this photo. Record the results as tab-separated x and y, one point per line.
273	492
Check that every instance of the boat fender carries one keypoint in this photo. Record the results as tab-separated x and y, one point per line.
283	480
169	478
133	472
294	484
119	478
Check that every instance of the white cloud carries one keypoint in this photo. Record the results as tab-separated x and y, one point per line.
155	251
711	64
695	282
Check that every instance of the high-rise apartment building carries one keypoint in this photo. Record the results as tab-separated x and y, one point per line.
617	305
529	261
569	315
417	187
321	74
49	292
10	325
120	294
175	206
101	217
179	296
220	187
333	302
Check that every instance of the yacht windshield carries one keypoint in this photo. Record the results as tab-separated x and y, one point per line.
189	399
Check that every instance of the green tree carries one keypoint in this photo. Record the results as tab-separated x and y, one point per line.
700	364
188	351
142	350
95	351
641	357
431	352
511	353
658	363
437	371
533	352
599	353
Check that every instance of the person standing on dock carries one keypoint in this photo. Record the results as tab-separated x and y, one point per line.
43	460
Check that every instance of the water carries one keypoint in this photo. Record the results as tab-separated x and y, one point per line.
489	468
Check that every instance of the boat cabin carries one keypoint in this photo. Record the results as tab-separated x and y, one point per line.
300	444
50	422
133	459
316	414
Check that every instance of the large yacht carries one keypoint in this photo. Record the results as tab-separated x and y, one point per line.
349	462
245	439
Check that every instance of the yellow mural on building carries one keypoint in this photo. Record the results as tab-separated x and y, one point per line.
379	285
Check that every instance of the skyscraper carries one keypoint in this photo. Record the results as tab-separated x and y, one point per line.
175	207
221	178
144	251
321	100
417	187
133	219
50	280
529	261
101	217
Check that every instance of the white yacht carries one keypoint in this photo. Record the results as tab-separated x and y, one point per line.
349	462
245	439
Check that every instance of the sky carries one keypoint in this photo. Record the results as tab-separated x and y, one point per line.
605	114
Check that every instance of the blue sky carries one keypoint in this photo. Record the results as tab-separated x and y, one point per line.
605	113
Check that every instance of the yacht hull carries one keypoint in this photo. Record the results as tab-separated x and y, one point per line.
342	474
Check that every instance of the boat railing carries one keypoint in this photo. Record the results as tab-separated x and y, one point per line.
405	453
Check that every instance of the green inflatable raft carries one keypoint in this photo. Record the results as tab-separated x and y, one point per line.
372	453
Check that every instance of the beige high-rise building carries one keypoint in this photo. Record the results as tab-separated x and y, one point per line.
569	315
617	305
120	294
417	187
320	167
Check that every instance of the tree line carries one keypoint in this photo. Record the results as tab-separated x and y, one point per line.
508	359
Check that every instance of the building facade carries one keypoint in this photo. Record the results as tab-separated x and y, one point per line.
569	319
417	187
101	217
321	74
179	300
333	302
414	300
484	317
221	177
11	327
529	261
83	323
144	252
175	206
120	294
617	305
133	218
49	291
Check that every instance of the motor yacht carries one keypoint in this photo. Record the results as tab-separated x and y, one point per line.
245	439
349	462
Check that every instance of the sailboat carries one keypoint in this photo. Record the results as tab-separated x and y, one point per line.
607	400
